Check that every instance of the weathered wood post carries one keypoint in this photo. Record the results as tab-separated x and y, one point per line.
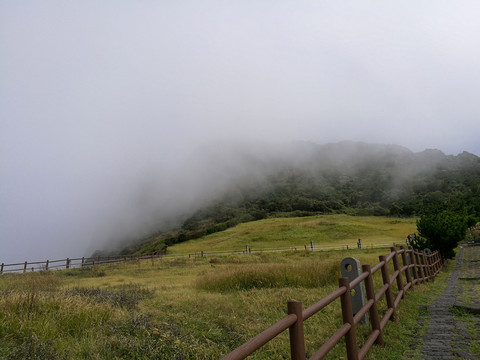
297	340
427	253
1	269
347	315
406	263
25	267
423	258
46	265
396	267
414	262
67	265
386	281
418	265
370	290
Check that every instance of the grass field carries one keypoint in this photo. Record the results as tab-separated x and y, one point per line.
198	308
323	230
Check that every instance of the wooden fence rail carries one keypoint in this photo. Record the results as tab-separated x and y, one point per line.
417	267
70	263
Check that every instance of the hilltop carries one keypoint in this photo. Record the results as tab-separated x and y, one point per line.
245	182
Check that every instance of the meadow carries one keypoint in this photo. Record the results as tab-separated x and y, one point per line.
323	230
187	308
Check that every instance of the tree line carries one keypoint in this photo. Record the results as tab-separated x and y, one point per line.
346	178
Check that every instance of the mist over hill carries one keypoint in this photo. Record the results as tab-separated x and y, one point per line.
222	184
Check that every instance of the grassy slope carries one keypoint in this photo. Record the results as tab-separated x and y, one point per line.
40	311
324	230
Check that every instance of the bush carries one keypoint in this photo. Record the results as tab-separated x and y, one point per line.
442	231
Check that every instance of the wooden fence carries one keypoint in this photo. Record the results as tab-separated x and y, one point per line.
71	263
417	267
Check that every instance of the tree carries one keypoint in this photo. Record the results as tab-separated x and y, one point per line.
442	231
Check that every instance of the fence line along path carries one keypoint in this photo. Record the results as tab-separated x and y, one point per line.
417	267
71	263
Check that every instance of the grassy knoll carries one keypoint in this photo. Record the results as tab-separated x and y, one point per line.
202	308
182	308
323	230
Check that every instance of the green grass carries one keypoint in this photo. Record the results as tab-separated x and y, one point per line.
323	230
189	308
261	276
468	322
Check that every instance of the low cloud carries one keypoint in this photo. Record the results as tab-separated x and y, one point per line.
102	106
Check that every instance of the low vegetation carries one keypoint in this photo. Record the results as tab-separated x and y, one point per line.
261	276
296	233
345	178
443	230
188	308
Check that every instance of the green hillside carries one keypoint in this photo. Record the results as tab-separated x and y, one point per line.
245	184
323	230
201	307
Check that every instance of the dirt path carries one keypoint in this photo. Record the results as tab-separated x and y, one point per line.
454	326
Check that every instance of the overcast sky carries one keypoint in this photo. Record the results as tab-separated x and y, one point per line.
96	94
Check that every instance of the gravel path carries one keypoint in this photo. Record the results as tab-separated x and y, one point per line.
449	336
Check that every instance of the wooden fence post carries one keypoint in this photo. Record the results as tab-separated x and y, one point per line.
370	290
405	263
83	260
25	267
386	281
437	262
1	269
423	266
419	267
428	259
347	314
431	272
297	340
67	265
414	262
427	266
396	267
46	265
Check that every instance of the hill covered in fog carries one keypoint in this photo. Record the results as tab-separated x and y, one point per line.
232	183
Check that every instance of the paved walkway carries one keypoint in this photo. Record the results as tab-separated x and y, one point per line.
454	326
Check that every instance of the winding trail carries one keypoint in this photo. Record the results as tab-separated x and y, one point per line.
448	336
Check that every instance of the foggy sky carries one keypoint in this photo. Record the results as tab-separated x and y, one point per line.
101	102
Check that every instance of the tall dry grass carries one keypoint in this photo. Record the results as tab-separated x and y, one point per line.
260	276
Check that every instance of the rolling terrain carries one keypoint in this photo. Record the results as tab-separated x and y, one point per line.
238	183
199	307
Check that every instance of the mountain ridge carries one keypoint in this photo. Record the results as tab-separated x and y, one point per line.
238	183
